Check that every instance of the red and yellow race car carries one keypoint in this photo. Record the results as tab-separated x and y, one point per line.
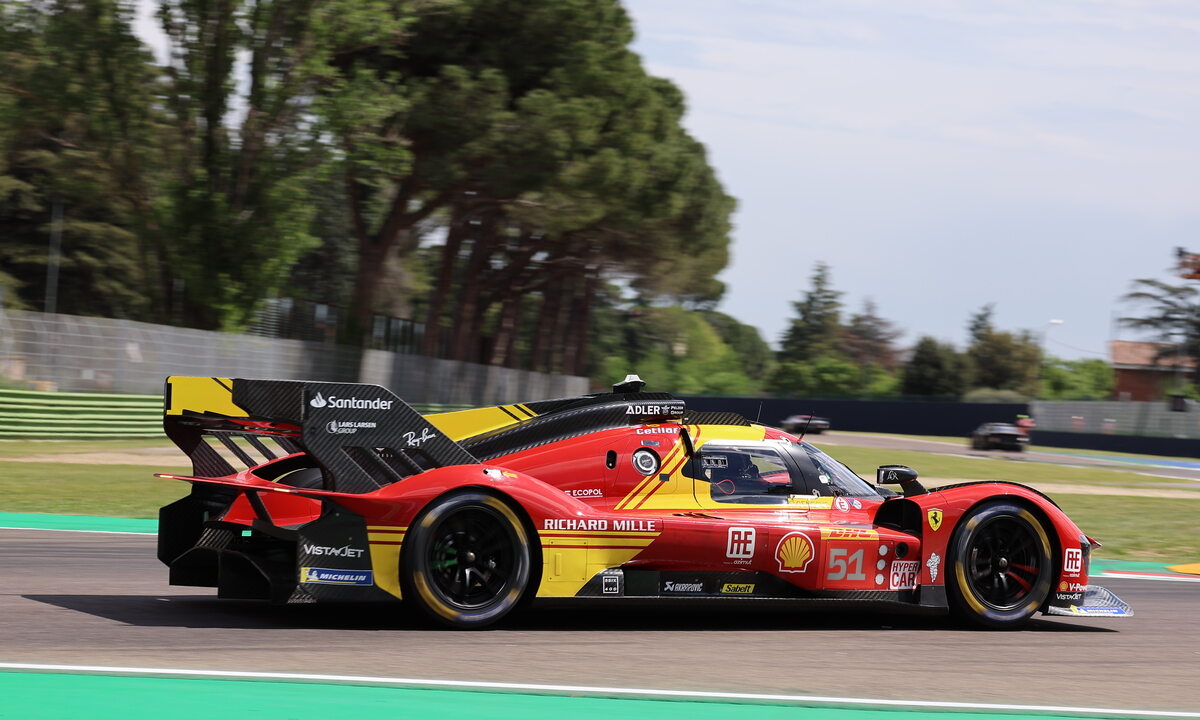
308	491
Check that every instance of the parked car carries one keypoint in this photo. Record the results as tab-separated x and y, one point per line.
799	424
998	436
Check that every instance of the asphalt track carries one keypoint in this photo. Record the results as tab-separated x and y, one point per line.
103	599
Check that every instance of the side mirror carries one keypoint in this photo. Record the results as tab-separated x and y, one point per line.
901	475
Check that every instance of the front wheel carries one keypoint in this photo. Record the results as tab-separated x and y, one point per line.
1001	566
466	560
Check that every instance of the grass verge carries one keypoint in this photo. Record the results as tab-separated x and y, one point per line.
25	448
71	489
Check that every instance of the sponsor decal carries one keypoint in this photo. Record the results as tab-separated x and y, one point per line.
737	588
1065	586
739	543
645	461
846	565
1067	597
856	503
344	551
602	525
1099	611
610	584
903	575
934	516
586	492
794	552
810	501
842	504
673	409
1072	562
891	477
714	461
932	563
350	403
658	431
347	427
848	533
333	576
680	587
412	439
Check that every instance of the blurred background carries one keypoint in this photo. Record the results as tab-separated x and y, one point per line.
482	201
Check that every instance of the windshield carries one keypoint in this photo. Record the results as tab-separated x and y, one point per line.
834	477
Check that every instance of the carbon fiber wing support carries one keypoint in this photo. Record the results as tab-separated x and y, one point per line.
363	437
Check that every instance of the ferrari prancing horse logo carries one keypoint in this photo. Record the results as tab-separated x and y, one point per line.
935	518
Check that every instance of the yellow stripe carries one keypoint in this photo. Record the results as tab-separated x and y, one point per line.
610	542
468	423
201	395
603	533
646	484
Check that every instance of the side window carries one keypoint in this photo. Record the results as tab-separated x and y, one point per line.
744	474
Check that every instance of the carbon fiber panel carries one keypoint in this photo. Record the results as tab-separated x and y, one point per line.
600	413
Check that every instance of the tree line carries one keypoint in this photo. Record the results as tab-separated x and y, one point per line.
505	172
825	352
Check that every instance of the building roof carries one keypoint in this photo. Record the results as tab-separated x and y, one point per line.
1128	354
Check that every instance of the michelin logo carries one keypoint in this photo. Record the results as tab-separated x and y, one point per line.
332	576
350	403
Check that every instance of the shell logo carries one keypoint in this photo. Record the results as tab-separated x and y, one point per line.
794	552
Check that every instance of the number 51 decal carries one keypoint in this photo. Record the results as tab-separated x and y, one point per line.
842	567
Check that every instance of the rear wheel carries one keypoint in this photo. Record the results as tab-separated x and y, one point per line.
466	560
1001	566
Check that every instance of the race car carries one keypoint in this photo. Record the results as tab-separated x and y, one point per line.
312	491
804	424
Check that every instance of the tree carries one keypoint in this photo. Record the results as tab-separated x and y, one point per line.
1077	379
980	323
869	339
756	357
1172	317
935	369
77	142
1005	361
814	332
826	375
239	212
1001	360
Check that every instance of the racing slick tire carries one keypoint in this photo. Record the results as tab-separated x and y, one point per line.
467	560
1001	566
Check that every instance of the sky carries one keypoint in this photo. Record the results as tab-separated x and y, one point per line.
940	155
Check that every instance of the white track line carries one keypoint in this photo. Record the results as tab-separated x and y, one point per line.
101	532
591	690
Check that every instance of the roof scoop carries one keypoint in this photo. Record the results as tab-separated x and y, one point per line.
631	384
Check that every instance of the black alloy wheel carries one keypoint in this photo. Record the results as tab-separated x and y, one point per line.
466	560
1001	566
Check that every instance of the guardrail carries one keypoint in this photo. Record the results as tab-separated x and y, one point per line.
30	414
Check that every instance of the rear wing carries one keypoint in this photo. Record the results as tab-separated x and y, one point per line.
362	437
